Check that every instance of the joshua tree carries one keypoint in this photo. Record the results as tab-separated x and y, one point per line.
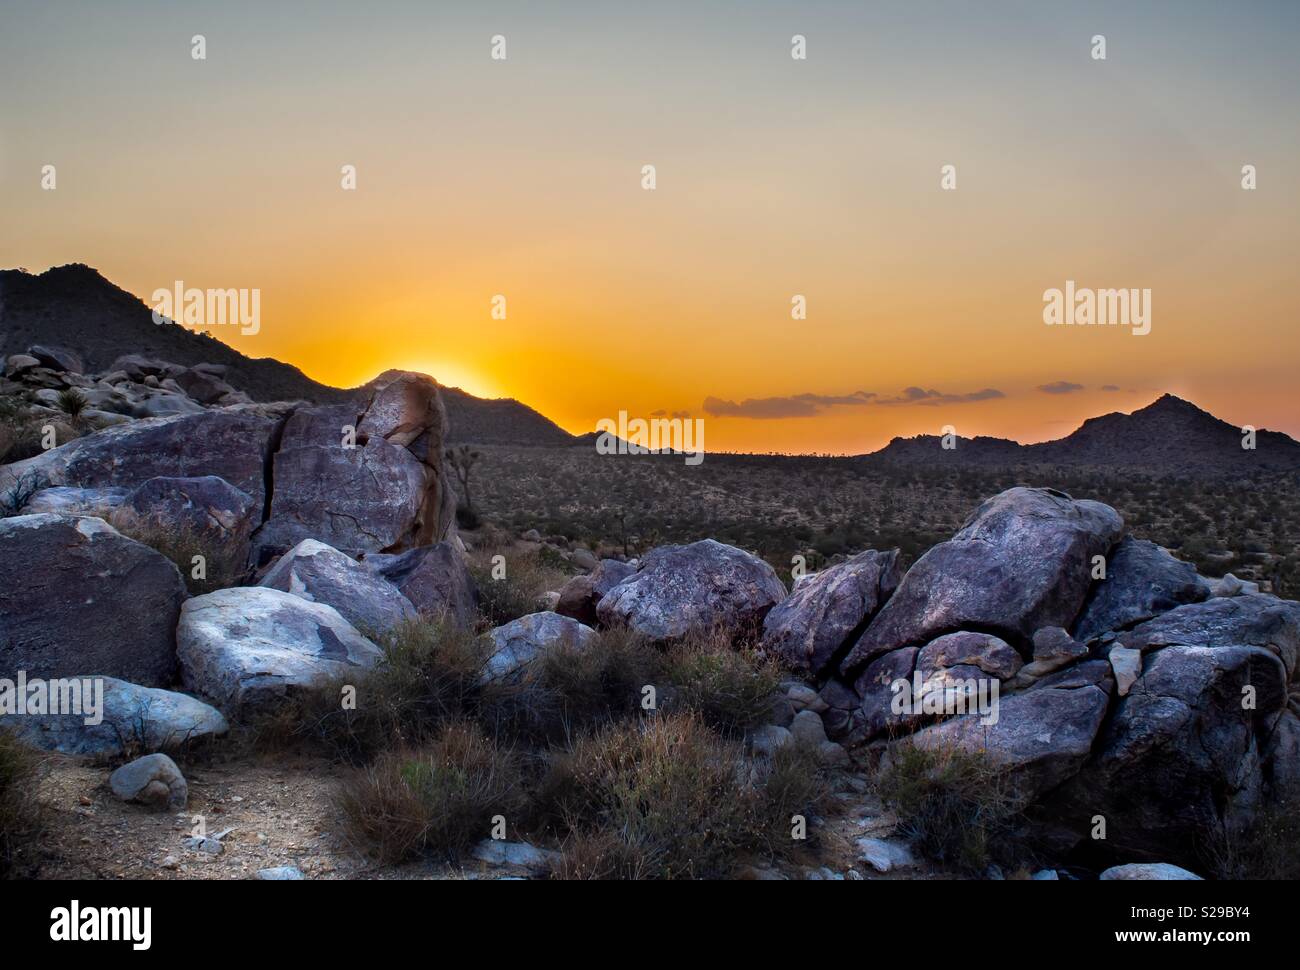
462	460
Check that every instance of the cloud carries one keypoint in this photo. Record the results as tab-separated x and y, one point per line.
1110	387
808	405
1060	387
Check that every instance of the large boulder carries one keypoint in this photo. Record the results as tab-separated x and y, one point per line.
1022	561
229	445
1142	581
580	596
69	500
131	719
1180	758
322	574
810	628
434	578
1041	737
1254	619
248	647
202	506
57	358
521	641
365	477
77	595
696	589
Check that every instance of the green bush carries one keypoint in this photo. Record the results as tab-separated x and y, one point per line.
731	690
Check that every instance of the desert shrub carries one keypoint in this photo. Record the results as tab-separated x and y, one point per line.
439	798
20	813
72	403
957	807
429	677
518	591
223	563
664	798
730	689
569	689
1268	849
26	436
17	490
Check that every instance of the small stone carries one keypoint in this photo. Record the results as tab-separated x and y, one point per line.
884	856
807	728
281	874
152	780
209	845
768	739
1045	875
830	753
171	862
1148	870
1127	664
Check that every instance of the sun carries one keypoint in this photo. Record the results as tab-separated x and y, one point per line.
451	373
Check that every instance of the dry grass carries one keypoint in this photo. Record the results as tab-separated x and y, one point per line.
21	817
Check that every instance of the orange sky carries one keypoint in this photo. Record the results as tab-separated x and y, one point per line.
775	178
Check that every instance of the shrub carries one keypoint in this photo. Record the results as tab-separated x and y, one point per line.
664	798
731	690
17	490
439	798
1268	849
20	812
223	565
72	403
517	592
958	808
428	678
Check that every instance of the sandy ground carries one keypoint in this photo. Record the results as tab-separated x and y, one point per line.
279	812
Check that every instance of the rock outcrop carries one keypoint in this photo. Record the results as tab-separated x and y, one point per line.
521	641
434	579
580	596
1142	581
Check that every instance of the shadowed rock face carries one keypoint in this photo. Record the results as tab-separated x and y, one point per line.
811	627
679	591
228	444
1180	758
322	574
206	505
1022	561
1142	581
434	579
76	595
247	647
581	595
1251	620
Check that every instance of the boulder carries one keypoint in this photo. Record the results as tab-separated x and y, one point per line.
1282	759
810	628
248	647
153	780
1022	561
1249	619
204	505
130	719
580	596
322	574
57	358
434	579
203	387
1041	737
520	641
876	688
77	595
229	445
1162	871
991	654
1142	581
137	367
69	500
17	363
696	589
1180	756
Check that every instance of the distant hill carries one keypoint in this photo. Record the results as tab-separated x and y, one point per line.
1170	436
75	307
500	421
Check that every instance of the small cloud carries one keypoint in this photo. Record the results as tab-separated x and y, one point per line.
1060	387
1110	387
931	397
796	406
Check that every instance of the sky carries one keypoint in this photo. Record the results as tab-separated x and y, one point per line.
774	177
